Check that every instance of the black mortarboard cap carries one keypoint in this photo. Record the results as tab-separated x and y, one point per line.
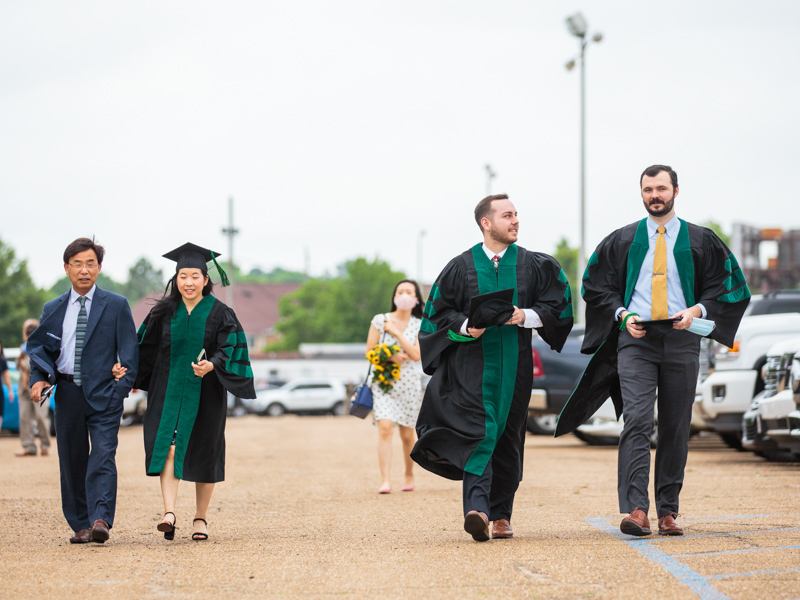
192	256
494	308
658	327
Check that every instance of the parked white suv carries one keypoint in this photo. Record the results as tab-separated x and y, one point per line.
302	395
728	392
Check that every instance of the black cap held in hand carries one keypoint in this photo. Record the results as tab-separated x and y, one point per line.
492	312
494	308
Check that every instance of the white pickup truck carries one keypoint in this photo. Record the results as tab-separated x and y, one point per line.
727	393
767	418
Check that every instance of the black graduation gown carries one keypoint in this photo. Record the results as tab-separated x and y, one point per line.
177	400
709	274
481	388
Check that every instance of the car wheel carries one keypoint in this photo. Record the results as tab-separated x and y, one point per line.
542	424
338	409
238	412
596	440
732	440
782	456
127	420
276	409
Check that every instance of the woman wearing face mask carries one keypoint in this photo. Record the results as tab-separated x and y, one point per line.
191	350
401	404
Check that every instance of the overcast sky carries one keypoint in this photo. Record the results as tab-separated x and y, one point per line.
349	127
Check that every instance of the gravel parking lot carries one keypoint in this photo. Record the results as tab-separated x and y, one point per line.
299	516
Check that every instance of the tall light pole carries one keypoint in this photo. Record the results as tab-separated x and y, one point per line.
419	256
576	25
489	176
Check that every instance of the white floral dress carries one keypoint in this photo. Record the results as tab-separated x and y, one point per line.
401	405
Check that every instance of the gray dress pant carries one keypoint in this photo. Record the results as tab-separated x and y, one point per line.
668	364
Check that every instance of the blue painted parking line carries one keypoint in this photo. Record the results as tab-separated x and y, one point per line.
697	583
751	573
736	533
690	578
745	551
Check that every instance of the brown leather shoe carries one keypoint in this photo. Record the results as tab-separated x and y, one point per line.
80	537
45	452
636	523
501	529
24	453
668	526
477	525
99	531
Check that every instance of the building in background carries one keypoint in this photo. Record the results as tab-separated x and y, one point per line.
770	258
256	306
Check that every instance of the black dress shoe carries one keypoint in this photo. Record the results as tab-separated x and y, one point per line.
99	531
80	537
477	525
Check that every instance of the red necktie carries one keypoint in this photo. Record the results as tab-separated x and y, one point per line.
496	261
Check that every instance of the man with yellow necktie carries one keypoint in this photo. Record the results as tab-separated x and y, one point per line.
661	267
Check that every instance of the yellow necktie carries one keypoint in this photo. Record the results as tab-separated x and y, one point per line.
659	309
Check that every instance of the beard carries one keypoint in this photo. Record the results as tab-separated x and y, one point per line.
667	207
503	237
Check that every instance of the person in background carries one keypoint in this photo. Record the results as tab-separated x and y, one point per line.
400	405
6	380
30	412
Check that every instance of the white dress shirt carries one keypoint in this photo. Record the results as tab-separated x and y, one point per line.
66	360
532	320
641	299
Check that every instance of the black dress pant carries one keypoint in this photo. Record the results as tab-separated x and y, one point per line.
490	495
87	447
670	365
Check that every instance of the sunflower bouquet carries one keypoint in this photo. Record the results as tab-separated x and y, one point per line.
384	372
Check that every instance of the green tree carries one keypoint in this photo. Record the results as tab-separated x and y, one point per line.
277	275
337	310
143	279
567	257
20	299
717	228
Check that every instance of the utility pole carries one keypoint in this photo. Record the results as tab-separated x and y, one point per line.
230	231
489	176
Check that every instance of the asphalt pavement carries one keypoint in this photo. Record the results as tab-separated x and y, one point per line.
299	517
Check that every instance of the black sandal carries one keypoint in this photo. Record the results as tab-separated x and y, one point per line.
168	528
199	536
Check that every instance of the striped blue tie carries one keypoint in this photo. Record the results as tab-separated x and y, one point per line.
80	333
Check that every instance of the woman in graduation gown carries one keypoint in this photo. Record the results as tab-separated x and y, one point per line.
191	350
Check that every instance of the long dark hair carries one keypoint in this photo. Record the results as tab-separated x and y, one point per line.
169	302
417	310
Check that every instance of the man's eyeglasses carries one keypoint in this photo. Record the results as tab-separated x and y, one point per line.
90	266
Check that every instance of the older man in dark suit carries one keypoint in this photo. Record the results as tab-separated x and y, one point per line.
81	335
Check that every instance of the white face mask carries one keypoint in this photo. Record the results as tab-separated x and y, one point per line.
405	302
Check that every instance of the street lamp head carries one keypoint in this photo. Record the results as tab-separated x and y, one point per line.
570	65
597	37
576	25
